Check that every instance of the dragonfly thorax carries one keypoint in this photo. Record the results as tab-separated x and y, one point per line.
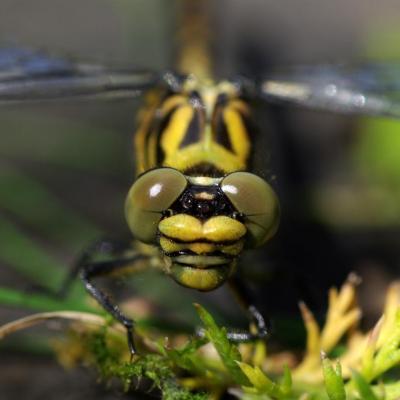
195	127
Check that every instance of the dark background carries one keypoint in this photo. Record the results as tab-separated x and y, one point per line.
337	177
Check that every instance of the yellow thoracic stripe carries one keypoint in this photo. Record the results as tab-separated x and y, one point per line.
171	102
174	133
145	116
200	153
238	137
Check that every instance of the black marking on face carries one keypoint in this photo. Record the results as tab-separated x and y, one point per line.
203	202
204	169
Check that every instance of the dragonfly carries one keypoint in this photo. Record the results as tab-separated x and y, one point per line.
195	206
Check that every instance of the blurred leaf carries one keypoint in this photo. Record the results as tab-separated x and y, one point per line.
388	355
187	357
65	142
26	256
31	203
37	302
378	149
392	391
265	385
333	380
32	344
286	383
363	387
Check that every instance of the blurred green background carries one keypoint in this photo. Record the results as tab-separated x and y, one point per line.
66	167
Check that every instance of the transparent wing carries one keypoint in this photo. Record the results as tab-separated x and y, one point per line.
27	75
372	89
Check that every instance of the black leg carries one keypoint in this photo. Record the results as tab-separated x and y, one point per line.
243	296
103	247
92	270
106	247
119	255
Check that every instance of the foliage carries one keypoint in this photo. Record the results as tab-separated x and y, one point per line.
208	366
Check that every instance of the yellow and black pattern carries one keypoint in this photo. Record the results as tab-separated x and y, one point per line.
193	198
199	129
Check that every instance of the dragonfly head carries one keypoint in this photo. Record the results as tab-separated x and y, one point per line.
201	224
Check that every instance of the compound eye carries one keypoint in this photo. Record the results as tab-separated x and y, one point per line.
150	195
255	199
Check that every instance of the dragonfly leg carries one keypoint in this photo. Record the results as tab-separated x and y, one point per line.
92	270
118	256
262	325
105	247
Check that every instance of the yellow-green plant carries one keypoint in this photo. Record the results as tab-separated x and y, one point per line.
185	367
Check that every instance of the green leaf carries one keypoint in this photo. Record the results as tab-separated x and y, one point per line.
392	391
227	351
389	354
63	142
286	384
25	255
379	136
36	207
37	302
152	366
187	357
262	383
333	380
363	387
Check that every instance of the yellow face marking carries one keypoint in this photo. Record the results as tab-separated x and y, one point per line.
202	248
222	228
233	249
169	246
201	279
204	196
185	228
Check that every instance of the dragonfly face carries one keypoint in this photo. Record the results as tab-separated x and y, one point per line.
196	202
